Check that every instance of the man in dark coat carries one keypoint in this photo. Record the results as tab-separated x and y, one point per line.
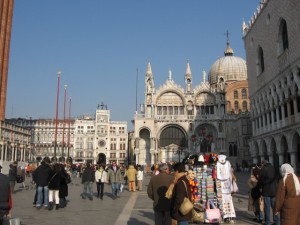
156	190
41	177
268	182
5	196
88	177
12	175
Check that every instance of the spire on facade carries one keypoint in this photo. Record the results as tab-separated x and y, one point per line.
149	70
170	74
203	76
188	69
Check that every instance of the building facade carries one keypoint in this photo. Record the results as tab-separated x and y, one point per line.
175	122
273	59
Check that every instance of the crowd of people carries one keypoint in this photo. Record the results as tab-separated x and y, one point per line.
274	198
279	193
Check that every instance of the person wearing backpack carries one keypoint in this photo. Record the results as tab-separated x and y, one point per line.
255	202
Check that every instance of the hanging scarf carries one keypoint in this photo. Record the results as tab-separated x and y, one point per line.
286	169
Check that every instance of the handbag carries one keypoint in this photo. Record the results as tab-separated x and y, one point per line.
212	215
186	206
235	188
198	216
20	179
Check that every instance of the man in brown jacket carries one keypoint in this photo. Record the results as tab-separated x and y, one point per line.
156	190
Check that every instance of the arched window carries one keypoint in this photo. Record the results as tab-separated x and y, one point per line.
244	93
260	61
283	39
235	95
245	108
236	105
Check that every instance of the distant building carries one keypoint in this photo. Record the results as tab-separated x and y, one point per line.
213	116
273	59
86	139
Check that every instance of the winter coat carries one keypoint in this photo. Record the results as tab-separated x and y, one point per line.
268	180
287	202
101	176
55	180
140	175
12	173
131	173
179	193
5	192
88	175
41	175
114	177
63	190
157	189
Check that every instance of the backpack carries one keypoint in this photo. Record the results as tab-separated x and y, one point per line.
256	192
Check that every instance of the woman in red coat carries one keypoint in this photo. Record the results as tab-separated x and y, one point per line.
288	197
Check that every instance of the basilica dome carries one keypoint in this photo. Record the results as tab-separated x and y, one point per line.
229	67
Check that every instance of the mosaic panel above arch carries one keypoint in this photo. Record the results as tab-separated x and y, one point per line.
205	98
170	98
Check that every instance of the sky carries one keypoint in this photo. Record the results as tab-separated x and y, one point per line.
102	48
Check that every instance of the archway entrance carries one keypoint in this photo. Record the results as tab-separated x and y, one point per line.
101	159
284	149
145	145
275	156
296	148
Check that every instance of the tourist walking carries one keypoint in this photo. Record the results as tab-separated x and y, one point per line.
63	189
12	176
156	191
5	196
88	178
131	175
255	199
140	177
54	186
180	191
114	177
100	178
288	197
41	177
268	182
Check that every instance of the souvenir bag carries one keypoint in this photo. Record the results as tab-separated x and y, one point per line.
235	188
212	215
186	206
198	216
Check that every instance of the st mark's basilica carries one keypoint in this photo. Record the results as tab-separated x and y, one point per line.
209	117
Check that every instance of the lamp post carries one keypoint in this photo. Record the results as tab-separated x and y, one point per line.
64	121
70	103
56	118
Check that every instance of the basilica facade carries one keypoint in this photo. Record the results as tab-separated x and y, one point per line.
212	116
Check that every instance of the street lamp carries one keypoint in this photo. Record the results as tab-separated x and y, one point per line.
56	118
64	121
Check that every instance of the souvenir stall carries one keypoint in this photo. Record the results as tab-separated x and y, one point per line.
211	194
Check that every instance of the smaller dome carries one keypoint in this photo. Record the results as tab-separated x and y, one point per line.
229	67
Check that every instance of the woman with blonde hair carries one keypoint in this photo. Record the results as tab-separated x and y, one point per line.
288	197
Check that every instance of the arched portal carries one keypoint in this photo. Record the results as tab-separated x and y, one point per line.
284	150
101	158
296	148
275	156
172	135
203	140
264	150
145	145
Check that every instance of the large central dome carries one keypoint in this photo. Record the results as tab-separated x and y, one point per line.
229	67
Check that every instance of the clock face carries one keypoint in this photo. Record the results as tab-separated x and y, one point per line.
101	143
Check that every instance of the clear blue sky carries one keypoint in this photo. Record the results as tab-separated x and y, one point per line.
99	45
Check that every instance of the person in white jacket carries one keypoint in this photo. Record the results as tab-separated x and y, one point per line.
100	178
139	177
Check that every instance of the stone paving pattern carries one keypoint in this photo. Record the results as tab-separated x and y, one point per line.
130	208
